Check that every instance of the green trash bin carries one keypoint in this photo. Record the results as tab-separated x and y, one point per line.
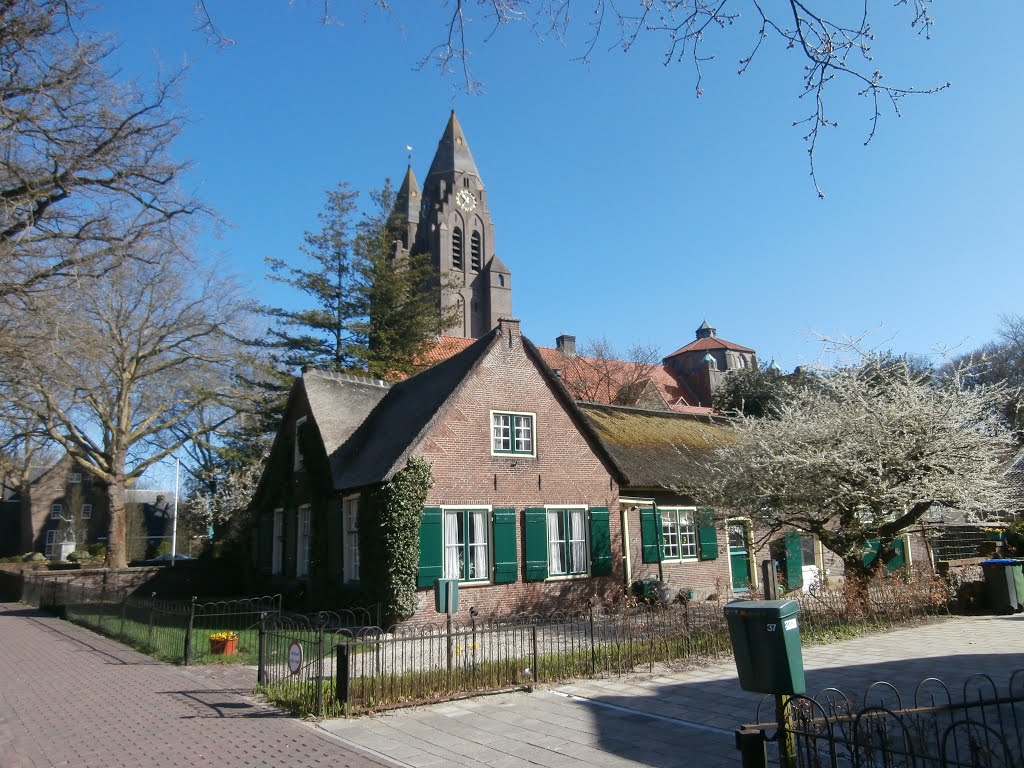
765	638
1001	584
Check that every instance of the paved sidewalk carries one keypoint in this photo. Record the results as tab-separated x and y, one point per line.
69	697
682	718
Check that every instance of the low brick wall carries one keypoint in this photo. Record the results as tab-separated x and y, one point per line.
180	582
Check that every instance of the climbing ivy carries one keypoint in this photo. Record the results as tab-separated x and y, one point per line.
399	504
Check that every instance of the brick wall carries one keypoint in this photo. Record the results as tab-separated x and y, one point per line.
565	471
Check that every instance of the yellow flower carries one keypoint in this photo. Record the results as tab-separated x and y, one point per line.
223	636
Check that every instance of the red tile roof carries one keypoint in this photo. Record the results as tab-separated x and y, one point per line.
711	342
586	377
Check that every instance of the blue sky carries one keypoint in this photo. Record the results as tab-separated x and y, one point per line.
623	205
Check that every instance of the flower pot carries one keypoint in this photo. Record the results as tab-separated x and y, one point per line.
227	647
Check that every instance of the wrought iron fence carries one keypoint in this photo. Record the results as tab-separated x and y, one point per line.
983	727
178	631
325	666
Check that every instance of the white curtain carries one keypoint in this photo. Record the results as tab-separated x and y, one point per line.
478	540
555	544
452	547
578	540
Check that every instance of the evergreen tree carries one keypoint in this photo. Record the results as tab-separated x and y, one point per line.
321	335
397	297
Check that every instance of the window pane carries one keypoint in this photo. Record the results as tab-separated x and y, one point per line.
502	436
670	533
453	545
687	534
577	542
556	542
524	434
478	565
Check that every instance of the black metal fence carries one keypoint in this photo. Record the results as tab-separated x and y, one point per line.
982	726
178	631
332	664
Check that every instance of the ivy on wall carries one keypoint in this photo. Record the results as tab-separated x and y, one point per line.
399	504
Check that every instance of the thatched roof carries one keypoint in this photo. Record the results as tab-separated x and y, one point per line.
657	449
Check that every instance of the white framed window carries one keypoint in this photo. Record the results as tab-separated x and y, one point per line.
567	541
678	534
87	511
298	464
467	555
277	537
302	543
55	510
51	544
513	434
74	478
350	533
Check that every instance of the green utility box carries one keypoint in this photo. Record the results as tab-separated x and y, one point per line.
766	642
1001	577
446	595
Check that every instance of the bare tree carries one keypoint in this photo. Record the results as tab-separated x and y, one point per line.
85	172
833	41
116	371
863	452
600	374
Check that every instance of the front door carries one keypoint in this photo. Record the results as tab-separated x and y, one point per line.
739	556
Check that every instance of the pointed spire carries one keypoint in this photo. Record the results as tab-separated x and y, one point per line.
453	153
407	201
705	331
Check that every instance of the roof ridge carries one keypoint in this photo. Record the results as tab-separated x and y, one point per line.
349	377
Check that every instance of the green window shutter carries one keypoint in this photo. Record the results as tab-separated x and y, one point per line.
334	555
600	542
650	534
794	560
431	547
901	555
870	551
707	536
506	564
536	544
266	546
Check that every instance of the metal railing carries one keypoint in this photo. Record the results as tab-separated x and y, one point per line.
324	666
982	727
171	630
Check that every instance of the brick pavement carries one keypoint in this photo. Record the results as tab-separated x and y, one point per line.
71	697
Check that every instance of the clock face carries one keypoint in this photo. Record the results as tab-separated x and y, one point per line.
465	200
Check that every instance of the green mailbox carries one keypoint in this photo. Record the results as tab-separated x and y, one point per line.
446	595
766	642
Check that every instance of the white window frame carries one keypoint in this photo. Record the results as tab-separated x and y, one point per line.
297	463
350	537
74	478
52	544
87	511
513	433
277	538
685	544
488	542
304	521
566	546
55	510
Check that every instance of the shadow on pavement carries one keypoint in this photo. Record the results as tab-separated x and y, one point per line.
703	714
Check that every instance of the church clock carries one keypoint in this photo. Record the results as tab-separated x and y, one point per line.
465	200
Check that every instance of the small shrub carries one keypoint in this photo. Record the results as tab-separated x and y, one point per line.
79	555
34	557
98	550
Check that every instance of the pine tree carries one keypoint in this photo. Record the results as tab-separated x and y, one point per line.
397	296
322	335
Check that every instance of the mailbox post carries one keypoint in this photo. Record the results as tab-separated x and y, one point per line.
765	638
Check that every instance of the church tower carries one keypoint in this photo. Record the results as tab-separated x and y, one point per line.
453	224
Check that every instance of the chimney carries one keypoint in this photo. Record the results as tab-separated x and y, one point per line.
509	326
566	345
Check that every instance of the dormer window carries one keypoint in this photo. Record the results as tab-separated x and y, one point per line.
457	248
476	261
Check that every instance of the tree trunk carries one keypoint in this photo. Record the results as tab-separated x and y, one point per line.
117	550
857	579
